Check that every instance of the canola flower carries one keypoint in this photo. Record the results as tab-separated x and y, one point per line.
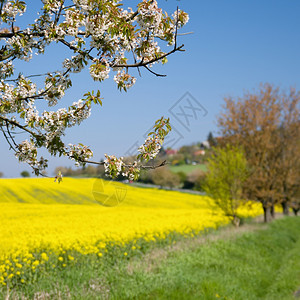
42	224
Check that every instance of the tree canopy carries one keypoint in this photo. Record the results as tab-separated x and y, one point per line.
225	179
266	124
100	35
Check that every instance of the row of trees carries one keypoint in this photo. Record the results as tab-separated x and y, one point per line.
262	162
164	177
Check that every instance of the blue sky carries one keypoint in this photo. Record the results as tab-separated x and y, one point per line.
235	46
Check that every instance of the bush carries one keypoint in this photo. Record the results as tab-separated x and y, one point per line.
165	178
25	174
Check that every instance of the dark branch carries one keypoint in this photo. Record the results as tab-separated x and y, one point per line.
132	16
8	141
156	74
75	49
9	133
59	13
143	64
14	123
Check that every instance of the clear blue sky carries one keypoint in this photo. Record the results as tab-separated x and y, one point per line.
236	45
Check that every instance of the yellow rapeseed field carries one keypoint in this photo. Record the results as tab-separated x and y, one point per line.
39	216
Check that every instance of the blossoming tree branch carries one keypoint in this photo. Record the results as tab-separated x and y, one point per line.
99	34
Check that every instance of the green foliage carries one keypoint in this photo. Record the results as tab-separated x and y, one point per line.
182	176
91	97
200	181
165	178
25	174
227	172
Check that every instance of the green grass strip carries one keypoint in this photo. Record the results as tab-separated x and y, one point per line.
263	264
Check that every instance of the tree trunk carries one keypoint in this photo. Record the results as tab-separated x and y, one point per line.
285	208
272	211
295	210
236	221
267	214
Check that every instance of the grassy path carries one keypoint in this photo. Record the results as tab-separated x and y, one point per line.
253	262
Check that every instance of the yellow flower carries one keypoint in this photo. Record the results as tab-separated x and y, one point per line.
88	228
35	263
44	256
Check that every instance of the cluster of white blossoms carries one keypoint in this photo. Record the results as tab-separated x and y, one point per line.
151	147
6	69
124	80
55	87
75	64
25	88
80	153
27	149
180	17
11	9
7	97
27	152
98	34
53	6
113	166
55	122
132	172
73	22
150	16
13	97
23	46
99	70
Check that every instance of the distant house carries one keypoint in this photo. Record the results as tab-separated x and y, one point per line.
199	152
205	145
171	152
